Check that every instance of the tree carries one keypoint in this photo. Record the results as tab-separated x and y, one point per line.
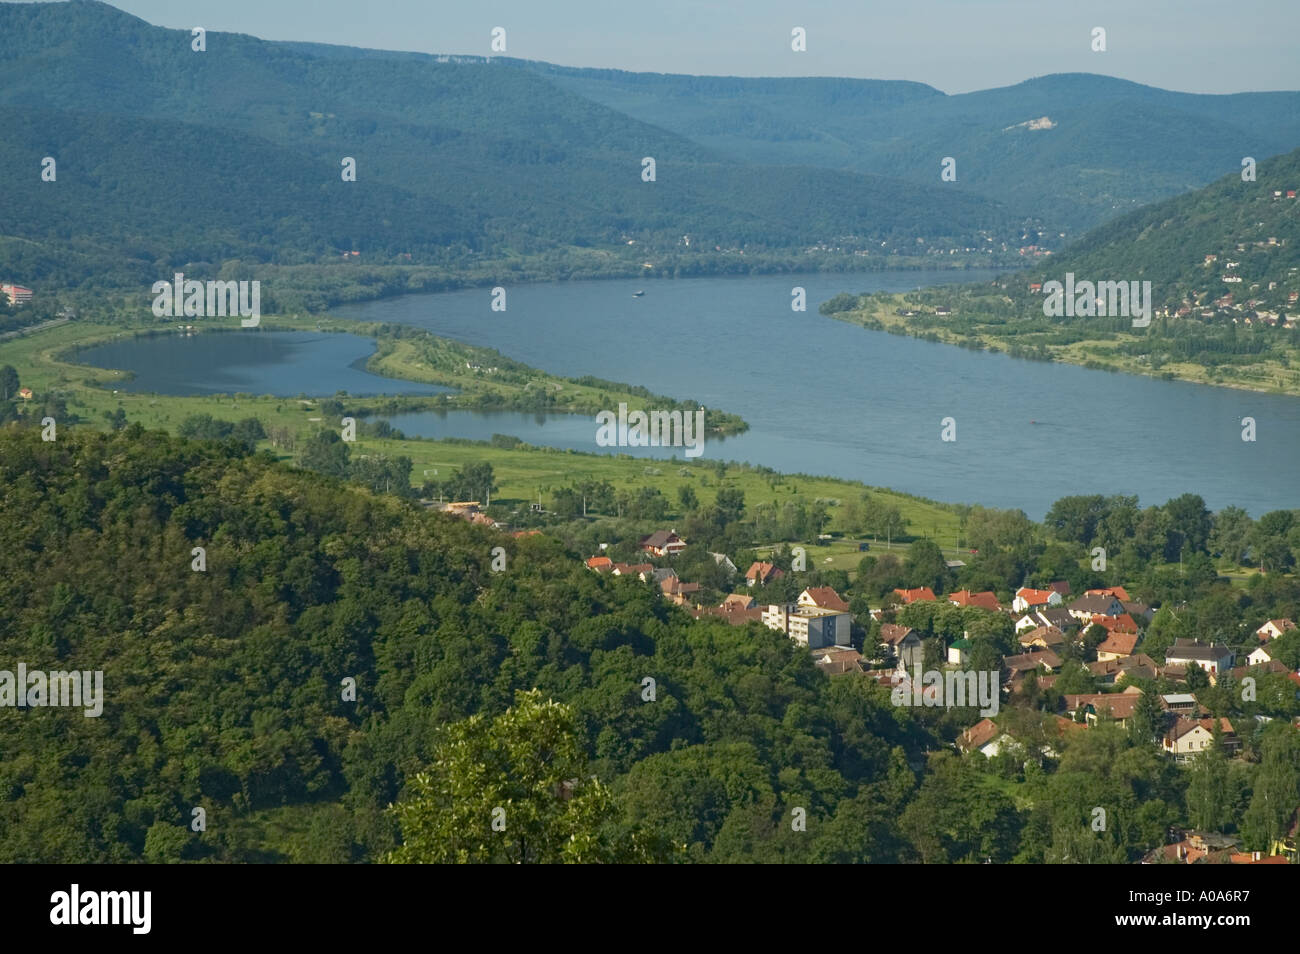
9	382
1075	519
731	503
1209	802
326	453
686	498
512	789
1189	525
1231	534
1147	720
925	565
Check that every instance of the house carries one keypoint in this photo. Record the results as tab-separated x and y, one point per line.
1274	628
762	573
959	652
724	561
1116	591
739	601
601	564
17	294
663	543
1123	623
1120	706
982	737
1136	666
1187	738
25	393
1212	658
1048	637
1095	604
809	626
1259	657
824	597
1180	703
1138	611
659	574
677	591
836	660
632	569
1194	848
732	614
1104	671
985	600
920	594
1015	668
1030	599
1117	645
1061	586
903	642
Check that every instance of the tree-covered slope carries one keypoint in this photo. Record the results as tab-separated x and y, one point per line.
1253	224
223	688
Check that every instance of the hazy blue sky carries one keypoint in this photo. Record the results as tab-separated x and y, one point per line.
956	45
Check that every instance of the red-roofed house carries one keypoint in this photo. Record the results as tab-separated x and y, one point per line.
762	573
1028	599
987	600
1115	591
1117	646
601	564
824	597
920	594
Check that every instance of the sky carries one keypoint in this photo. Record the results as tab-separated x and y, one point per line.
1200	46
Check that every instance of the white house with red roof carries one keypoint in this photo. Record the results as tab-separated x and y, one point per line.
1028	598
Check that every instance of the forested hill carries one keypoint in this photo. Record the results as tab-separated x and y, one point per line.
1109	145
1253	224
454	160
222	687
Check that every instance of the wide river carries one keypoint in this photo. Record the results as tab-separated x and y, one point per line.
825	397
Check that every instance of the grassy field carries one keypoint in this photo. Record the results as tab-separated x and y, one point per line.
44	364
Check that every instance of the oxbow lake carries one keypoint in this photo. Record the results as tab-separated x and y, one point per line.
820	396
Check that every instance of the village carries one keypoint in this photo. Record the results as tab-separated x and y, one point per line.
1101	628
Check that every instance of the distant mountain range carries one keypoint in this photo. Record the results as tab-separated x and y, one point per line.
1073	148
170	155
167	156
